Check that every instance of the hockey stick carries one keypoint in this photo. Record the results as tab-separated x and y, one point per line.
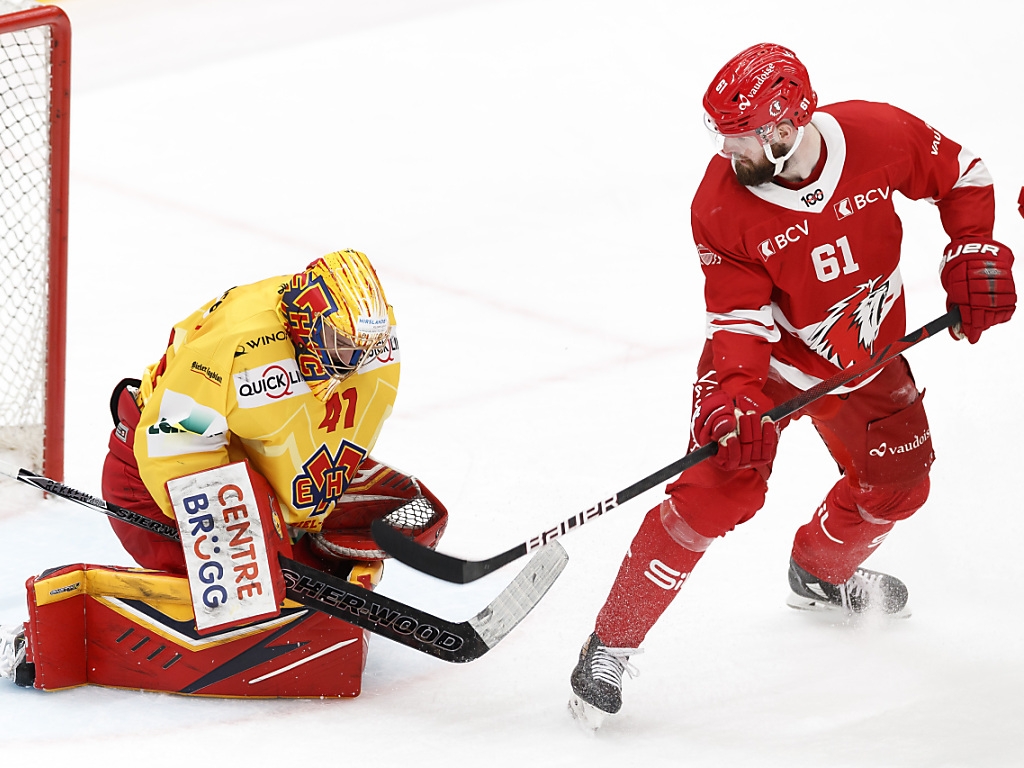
461	571
364	608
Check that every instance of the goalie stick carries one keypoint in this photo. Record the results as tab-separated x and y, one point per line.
447	640
461	571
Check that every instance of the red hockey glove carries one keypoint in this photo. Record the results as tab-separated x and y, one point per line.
744	440
977	276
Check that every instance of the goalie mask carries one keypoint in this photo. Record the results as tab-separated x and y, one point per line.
336	314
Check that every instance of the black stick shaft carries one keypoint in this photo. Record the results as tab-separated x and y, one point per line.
461	571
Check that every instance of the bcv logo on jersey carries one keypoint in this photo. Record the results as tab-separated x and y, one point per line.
771	246
850	205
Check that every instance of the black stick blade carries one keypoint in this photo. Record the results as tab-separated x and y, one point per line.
438	564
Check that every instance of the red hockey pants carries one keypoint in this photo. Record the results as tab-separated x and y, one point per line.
880	440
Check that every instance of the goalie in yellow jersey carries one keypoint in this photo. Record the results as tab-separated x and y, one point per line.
293	374
277	390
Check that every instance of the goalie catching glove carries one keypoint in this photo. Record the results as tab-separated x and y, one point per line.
378	491
745	439
977	276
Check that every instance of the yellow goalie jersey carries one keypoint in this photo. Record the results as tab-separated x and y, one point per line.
230	387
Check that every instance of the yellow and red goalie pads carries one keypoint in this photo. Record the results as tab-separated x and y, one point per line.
134	628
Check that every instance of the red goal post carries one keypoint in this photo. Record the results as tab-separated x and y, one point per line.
35	80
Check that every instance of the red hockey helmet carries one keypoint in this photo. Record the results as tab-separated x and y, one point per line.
756	90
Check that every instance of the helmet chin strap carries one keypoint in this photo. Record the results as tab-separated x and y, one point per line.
780	162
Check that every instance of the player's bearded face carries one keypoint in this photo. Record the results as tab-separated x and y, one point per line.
752	166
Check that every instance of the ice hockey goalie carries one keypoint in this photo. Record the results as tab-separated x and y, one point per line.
252	435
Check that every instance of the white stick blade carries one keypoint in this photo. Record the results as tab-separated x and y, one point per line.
519	598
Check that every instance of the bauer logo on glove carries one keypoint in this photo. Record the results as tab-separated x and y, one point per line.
978	278
967	248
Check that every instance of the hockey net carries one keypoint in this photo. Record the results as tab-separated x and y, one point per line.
34	99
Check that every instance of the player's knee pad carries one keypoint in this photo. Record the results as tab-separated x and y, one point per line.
680	531
712	501
883	505
378	491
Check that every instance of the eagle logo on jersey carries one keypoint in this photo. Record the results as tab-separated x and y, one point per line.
863	310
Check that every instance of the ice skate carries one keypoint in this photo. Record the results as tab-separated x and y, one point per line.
12	655
597	682
865	592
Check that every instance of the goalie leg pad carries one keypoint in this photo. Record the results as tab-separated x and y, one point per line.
131	628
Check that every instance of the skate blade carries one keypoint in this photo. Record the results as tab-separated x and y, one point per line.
823	606
587	716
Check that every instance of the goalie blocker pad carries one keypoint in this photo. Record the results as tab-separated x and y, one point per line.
231	534
134	628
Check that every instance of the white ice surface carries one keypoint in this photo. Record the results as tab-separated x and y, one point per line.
520	172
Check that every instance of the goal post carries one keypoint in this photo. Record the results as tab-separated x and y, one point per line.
35	80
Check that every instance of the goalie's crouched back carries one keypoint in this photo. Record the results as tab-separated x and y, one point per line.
161	628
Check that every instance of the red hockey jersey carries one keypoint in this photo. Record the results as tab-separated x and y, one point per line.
808	280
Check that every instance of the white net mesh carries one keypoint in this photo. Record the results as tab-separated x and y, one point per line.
24	236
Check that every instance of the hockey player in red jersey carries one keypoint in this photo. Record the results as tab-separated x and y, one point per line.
799	243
